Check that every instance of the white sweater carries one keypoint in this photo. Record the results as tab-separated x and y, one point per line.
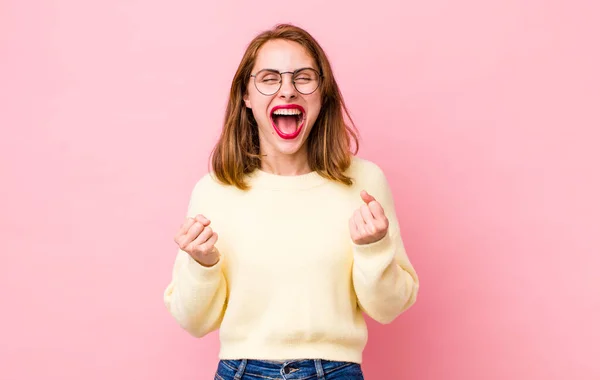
291	284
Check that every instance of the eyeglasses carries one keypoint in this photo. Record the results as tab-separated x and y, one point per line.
306	80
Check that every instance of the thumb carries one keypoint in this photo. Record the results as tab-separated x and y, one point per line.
366	197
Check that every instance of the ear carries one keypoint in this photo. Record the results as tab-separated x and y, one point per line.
247	101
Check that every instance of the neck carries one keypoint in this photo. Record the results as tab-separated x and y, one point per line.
286	165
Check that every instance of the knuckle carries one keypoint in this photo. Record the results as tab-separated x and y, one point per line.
203	245
207	244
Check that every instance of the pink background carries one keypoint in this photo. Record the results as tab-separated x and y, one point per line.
484	114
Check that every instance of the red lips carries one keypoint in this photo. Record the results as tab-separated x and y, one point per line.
283	135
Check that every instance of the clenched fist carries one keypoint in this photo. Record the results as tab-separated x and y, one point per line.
197	239
368	224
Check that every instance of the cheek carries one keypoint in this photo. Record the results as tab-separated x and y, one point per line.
259	105
315	99
315	107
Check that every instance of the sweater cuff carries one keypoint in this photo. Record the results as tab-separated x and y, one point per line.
375	257
200	273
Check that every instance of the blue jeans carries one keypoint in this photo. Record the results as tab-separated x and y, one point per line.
289	370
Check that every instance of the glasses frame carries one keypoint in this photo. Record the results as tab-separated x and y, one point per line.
319	76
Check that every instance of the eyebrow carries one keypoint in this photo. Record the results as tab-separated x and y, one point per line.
291	71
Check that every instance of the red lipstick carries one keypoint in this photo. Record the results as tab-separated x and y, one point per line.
293	135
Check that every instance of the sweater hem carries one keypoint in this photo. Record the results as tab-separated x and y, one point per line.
323	351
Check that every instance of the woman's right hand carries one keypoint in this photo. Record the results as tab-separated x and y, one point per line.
197	239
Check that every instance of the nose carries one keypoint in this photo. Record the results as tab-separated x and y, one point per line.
287	90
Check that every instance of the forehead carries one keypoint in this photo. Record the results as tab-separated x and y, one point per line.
283	55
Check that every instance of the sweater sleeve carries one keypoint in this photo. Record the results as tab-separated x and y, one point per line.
385	282
196	295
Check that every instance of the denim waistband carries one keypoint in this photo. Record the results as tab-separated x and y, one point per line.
289	369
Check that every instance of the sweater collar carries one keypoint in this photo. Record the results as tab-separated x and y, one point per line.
262	179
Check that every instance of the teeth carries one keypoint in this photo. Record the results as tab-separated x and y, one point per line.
284	111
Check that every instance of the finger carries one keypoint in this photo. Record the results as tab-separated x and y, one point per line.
204	236
377	211
366	197
209	245
360	223
353	229
192	234
184	228
202	219
369	219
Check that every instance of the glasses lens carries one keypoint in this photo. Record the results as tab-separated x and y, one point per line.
306	81
268	82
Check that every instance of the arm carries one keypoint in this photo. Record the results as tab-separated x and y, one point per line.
196	295
385	282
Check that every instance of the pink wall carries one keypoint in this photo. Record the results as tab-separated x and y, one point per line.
484	114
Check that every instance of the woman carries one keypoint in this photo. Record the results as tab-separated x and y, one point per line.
291	237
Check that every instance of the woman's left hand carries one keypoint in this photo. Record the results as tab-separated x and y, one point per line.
368	224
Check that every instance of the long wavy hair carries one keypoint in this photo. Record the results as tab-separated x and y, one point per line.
331	143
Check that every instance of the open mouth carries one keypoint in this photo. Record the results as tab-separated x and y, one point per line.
288	120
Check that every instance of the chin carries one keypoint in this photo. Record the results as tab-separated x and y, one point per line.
288	147
285	145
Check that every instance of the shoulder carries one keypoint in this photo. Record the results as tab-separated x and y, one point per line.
208	195
365	171
206	182
369	176
208	185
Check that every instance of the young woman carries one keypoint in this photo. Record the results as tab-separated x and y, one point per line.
290	238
